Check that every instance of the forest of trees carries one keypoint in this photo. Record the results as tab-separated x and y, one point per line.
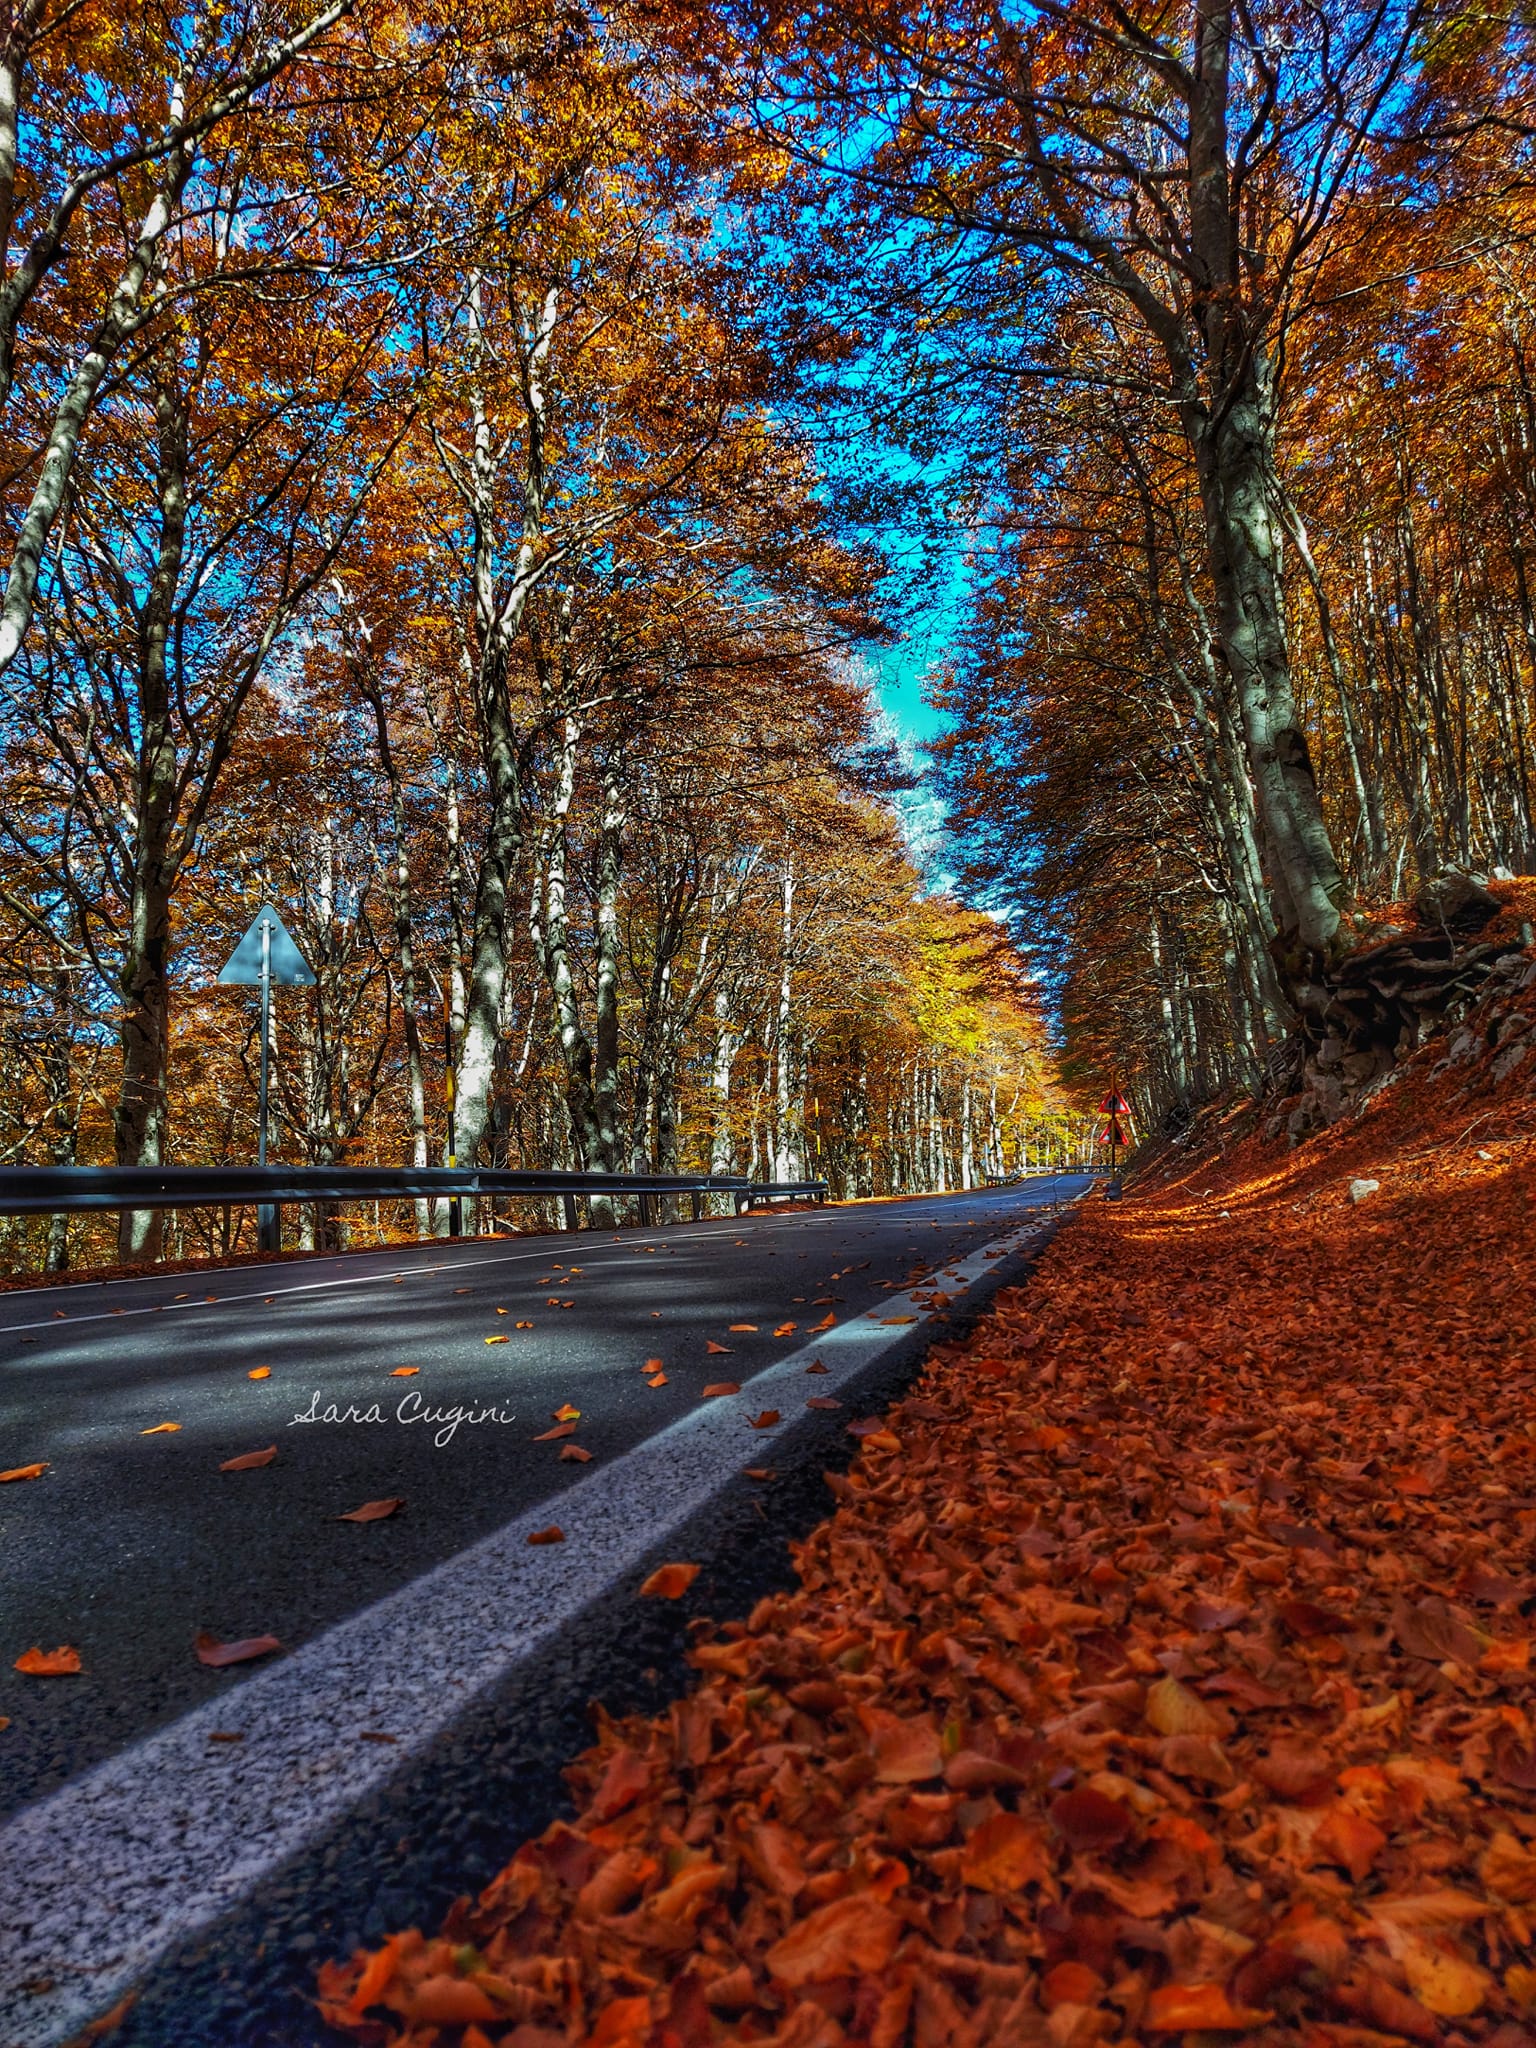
411	524
452	460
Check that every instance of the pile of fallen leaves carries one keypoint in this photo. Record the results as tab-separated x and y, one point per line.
1164	1670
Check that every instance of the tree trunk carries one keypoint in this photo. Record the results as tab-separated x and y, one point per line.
1239	488
141	1115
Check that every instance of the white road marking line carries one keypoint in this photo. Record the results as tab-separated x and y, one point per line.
101	1878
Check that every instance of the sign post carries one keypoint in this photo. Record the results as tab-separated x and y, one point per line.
1113	1106
266	955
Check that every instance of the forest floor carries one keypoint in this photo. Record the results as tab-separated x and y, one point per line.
1163	1669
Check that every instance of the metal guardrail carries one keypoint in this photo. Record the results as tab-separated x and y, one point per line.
51	1190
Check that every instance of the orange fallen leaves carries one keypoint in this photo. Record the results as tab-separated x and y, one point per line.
260	1372
217	1655
715	1350
1159	1672
250	1461
405	1372
669	1581
24	1472
373	1511
161	1429
718	1387
553	1534
60	1663
566	1413
499	1339
767	1420
852	1936
1184	2008
744	1329
574	1454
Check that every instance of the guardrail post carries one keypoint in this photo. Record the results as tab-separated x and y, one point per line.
269	1227
696	1199
568	1203
647	1211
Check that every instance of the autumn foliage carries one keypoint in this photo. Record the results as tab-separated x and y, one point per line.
1163	1669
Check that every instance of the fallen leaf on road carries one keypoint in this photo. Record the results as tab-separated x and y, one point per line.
717	1350
575	1454
766	1420
553	1435
827	1322
851	1936
249	1460
405	1372
59	1663
786	1329
226	1735
260	1372
522	1326
898	1319
758	1472
373	1510
24	1472
553	1534
669	1581
817	1366
657	1379
566	1413
496	1340
216	1655
749	1329
161	1429
375	1735
653	1365
822	1401
719	1387
1003	1855
1183	2008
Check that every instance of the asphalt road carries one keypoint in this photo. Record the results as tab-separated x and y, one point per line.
132	1542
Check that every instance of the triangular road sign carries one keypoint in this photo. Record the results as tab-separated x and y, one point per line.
287	963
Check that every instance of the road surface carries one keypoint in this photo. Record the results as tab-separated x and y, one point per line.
429	1632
